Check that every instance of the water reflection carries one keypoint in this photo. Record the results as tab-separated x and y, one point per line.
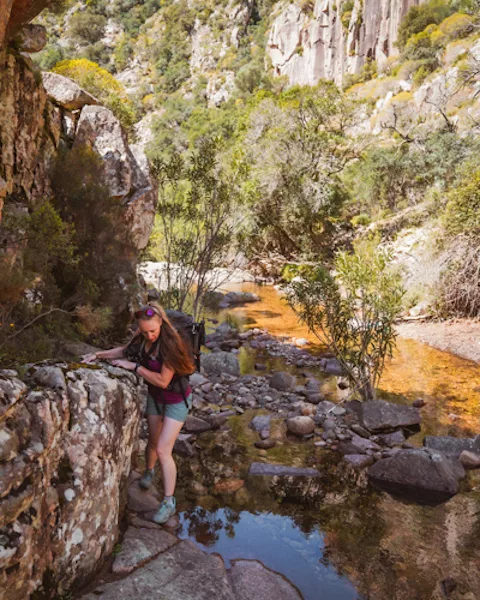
334	537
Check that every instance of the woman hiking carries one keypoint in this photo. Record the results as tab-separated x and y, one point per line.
162	358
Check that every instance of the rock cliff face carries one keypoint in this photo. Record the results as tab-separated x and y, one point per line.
37	117
335	39
67	438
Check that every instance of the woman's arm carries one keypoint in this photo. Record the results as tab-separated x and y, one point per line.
105	354
161	379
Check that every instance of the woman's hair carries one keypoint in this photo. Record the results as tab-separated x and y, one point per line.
171	346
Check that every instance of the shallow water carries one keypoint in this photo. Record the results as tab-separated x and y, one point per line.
334	537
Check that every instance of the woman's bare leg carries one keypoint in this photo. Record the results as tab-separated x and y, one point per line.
166	441
154	423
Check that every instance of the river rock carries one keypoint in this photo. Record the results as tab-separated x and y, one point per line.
183	447
140	545
358	445
197	380
301	425
142	501
228	486
333	367
258	468
50	377
423	475
470	460
240	298
265	444
66	92
251	579
261	423
324	407
220	362
391	439
196	425
378	416
282	381
451	445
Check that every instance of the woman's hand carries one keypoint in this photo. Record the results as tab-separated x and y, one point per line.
124	364
89	358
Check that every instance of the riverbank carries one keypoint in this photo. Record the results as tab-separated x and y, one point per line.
460	337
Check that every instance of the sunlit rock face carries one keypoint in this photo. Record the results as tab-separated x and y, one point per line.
334	41
67	437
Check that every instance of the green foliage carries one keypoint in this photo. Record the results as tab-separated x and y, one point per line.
132	14
102	85
395	177
369	71
87	27
172	51
361	220
123	53
419	17
462	213
50	56
293	147
196	221
104	249
353	311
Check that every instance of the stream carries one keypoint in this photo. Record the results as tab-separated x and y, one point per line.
336	538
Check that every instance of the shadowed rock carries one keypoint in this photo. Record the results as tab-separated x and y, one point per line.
425	476
378	415
451	445
140	545
257	468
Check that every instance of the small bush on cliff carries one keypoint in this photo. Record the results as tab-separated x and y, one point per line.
87	27
353	311
102	85
419	17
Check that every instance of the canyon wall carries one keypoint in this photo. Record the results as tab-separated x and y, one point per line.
333	40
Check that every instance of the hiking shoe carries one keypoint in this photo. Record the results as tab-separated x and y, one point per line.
146	479
165	511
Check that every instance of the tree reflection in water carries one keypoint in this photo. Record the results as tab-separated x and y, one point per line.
205	525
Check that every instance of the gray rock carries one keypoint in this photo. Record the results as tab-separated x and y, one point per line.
197	380
419	402
359	461
183	572
31	38
339	410
282	381
265	444
196	425
391	439
261	422
378	415
423	475
220	362
140	545
358	445
324	407
182	447
9	444
251	579
329	424
52	377
240	297
140	500
361	431
66	92
258	468
470	460
333	367
451	445
300	425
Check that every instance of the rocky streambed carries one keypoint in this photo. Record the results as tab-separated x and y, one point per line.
300	494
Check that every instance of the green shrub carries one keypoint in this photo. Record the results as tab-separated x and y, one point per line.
462	213
87	27
361	220
419	17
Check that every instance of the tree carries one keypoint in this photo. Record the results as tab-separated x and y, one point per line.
353	311
196	222
295	146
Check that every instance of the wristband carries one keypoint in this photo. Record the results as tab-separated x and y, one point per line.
137	366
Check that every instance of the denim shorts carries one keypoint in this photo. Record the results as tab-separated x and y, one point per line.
177	412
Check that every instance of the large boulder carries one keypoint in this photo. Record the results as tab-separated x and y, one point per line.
378	416
126	169
251	579
217	363
65	92
258	468
239	298
15	13
31	38
451	445
425	476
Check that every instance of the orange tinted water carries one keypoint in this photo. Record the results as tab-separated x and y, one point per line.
449	384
